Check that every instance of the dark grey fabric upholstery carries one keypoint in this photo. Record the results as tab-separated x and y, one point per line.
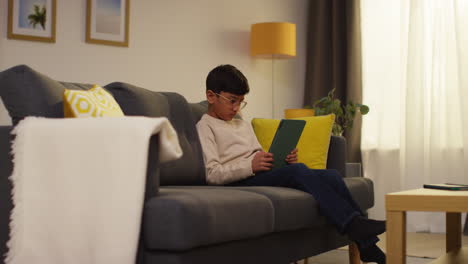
26	92
294	209
137	101
6	205
152	169
274	248
133	100
184	218
289	202
353	170
76	86
190	168
362	190
337	155
198	110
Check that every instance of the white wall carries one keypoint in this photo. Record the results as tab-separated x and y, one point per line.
173	45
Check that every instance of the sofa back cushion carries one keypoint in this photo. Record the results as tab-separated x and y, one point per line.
5	119
198	110
26	92
136	101
189	169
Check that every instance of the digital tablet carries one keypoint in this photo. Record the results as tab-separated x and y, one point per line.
449	186
286	137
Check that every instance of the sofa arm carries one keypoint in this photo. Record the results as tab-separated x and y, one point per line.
6	167
152	169
337	155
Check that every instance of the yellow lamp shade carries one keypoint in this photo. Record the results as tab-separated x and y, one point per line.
301	112
273	39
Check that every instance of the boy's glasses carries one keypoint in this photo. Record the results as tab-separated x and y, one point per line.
233	102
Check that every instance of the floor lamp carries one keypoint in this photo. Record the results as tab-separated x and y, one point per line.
273	40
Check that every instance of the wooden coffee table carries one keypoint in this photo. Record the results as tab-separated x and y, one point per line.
453	203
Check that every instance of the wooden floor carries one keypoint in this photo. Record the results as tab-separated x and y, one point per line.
422	248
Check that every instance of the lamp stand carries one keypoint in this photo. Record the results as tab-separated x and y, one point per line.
273	86
277	39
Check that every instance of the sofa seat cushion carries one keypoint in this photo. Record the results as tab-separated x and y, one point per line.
296	209
184	218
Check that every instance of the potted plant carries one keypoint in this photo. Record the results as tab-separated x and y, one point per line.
344	113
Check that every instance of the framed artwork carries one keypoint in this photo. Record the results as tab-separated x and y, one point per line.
32	20
107	22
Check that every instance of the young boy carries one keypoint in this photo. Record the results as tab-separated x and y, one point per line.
233	156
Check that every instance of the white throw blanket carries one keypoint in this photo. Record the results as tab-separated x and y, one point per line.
78	188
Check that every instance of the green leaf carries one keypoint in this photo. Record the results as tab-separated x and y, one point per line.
364	109
320	101
344	113
331	94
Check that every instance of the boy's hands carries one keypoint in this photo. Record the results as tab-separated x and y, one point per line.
292	157
262	161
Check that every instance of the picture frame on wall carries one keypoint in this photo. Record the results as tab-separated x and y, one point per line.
107	22
32	20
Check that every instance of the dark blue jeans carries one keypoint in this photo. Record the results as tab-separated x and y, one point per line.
326	186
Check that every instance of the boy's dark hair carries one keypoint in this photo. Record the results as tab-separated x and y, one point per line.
227	78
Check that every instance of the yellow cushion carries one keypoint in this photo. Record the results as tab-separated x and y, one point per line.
298	112
313	144
94	102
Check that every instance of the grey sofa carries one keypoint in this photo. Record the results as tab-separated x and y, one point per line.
184	219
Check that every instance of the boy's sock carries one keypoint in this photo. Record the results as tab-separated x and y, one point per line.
362	228
372	254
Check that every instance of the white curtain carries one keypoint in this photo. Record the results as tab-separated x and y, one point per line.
415	80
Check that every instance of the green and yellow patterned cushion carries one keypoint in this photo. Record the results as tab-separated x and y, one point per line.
95	102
